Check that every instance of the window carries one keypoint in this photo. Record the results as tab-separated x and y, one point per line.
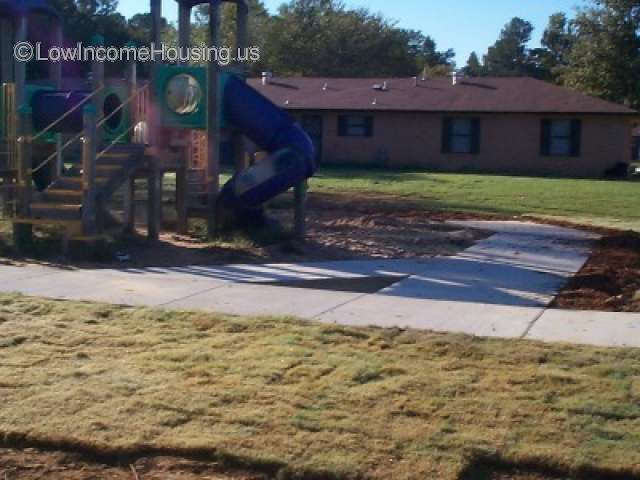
461	135
635	155
355	126
561	138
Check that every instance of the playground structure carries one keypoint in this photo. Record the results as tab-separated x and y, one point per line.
68	144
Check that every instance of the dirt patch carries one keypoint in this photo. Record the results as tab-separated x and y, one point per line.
32	464
610	280
338	228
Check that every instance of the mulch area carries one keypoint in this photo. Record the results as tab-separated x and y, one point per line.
610	280
338	228
32	464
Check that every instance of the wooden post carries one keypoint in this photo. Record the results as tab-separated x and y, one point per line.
154	178
300	213
130	205
6	51
130	184
89	145
20	68
97	79
132	80
23	232
242	43
213	122
55	74
182	212
55	68
184	25
154	182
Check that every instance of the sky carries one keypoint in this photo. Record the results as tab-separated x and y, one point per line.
464	25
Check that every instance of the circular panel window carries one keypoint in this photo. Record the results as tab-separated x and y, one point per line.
183	94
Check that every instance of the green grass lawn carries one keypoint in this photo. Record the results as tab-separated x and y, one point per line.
312	400
597	202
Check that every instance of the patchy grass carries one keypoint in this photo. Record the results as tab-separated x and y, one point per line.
304	398
605	203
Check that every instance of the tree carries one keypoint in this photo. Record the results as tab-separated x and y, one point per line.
259	23
557	42
323	37
429	59
473	68
139	29
509	55
605	57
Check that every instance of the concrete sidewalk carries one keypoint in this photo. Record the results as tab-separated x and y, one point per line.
500	287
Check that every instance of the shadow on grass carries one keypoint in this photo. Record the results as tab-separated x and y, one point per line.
498	468
127	456
482	468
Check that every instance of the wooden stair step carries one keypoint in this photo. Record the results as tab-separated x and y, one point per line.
102	170
67	224
61	195
74	183
56	211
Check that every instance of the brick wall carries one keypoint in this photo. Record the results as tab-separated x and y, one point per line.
509	143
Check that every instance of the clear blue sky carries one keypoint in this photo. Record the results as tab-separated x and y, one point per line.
464	25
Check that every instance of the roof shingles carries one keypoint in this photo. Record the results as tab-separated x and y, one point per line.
470	95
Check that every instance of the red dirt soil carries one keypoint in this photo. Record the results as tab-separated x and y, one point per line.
610	280
31	464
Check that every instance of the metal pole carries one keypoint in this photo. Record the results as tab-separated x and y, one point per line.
213	122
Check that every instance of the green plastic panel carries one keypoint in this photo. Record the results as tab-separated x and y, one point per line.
196	119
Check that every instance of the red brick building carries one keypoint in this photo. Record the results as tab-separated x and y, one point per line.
504	125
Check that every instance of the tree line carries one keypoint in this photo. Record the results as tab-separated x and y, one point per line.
597	51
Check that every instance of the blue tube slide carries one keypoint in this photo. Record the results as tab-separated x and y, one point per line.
291	157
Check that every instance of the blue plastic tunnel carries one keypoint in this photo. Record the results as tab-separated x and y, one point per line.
49	105
291	154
